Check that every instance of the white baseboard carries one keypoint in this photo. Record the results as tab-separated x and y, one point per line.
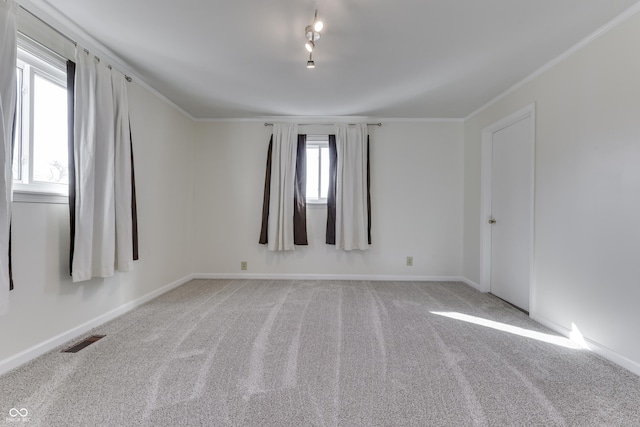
267	276
37	350
597	348
472	284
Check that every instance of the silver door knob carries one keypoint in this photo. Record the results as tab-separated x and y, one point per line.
492	221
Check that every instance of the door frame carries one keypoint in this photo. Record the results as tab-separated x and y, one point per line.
485	197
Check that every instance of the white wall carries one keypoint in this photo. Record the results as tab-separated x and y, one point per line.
587	215
416	192
45	303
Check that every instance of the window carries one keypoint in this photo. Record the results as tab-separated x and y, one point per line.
40	160
317	169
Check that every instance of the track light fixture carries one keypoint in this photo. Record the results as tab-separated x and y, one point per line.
312	33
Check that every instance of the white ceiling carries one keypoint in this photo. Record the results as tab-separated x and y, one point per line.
392	59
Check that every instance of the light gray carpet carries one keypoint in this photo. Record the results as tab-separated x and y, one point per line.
307	353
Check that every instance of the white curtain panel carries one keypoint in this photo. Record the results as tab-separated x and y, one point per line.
103	172
283	176
8	51
94	252
124	222
351	187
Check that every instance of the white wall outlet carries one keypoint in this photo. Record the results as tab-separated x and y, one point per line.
409	261
243	265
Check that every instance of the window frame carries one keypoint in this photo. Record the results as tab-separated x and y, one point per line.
32	60
320	141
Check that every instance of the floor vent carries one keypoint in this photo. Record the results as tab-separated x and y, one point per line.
84	343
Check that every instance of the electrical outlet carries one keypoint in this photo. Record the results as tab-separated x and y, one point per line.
243	265
409	261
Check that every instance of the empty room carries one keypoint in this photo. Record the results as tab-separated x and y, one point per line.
320	213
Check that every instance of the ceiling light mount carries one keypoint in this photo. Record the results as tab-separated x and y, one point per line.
312	33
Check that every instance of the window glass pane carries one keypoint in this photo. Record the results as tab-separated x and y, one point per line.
49	131
17	141
312	172
324	173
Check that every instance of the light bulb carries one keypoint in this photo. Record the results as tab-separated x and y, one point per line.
311	64
309	46
318	26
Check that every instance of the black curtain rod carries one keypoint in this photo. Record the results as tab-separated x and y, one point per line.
327	124
75	43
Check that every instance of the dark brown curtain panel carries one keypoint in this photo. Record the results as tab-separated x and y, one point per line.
368	192
331	194
267	196
10	263
299	197
300	194
134	204
71	81
13	143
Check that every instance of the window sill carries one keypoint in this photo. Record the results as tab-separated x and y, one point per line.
36	197
317	205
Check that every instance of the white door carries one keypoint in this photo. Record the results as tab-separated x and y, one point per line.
511	211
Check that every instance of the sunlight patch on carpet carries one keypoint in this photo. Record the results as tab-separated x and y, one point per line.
548	338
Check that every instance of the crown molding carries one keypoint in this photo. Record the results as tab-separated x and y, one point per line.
311	120
419	120
558	59
49	14
287	119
